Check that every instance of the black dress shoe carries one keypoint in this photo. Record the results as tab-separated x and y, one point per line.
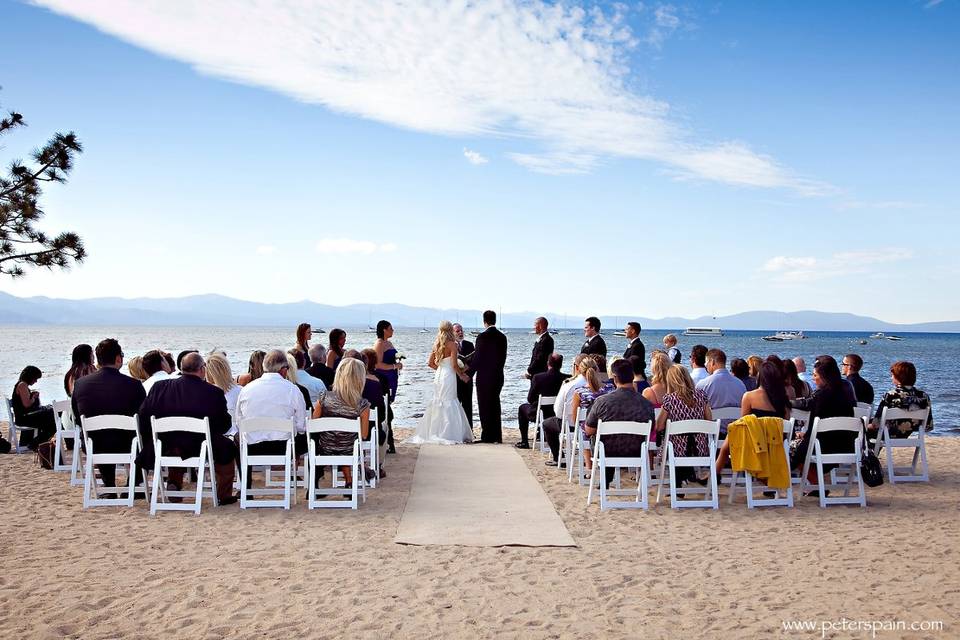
392	449
231	500
553	463
522	445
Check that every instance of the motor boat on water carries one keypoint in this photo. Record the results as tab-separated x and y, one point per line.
893	338
703	331
783	336
878	335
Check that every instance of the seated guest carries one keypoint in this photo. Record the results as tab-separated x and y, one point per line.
374	388
741	371
635	345
903	396
863	390
639	375
624	403
191	396
698	363
769	399
659	365
754	363
723	389
319	368
683	401
601	363
135	369
795	387
546	384
801	366
562	406
594	343
219	375
387	363
338	338
254	369
670	345
180	356
345	400
291	375
313	385
384	410
81	365
271	395
109	392
155	366
28	412
830	400
585	396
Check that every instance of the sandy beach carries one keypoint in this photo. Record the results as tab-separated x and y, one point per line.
117	572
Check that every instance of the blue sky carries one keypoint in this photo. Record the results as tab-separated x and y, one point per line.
652	159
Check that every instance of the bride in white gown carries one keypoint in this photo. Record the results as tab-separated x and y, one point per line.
444	421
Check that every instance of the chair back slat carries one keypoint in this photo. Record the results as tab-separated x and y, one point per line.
826	425
183	424
682	427
726	413
96	423
890	413
546	400
253	425
625	427
321	425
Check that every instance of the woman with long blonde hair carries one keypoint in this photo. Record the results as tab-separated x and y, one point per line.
219	375
444	421
584	397
345	400
659	365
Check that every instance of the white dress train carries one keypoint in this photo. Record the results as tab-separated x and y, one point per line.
443	421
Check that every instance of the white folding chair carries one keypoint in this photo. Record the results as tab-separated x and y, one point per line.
66	428
353	460
725	415
778	500
202	463
91	490
371	449
863	410
851	459
540	438
601	461
286	460
573	446
670	461
915	441
15	430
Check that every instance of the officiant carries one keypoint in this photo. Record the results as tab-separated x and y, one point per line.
464	389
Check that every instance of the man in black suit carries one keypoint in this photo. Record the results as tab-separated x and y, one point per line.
193	397
108	392
542	348
487	362
546	384
635	346
464	389
852	363
594	343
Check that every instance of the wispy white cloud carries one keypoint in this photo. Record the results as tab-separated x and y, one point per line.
474	157
552	77
881	204
346	245
266	250
931	4
809	268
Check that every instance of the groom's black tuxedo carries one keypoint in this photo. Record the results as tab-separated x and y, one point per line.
487	361
465	389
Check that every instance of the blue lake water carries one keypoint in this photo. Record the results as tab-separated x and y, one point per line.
935	355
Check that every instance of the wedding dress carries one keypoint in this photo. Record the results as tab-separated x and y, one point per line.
443	421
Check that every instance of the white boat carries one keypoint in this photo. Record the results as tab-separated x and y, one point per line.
703	331
782	336
620	334
878	335
893	338
370	329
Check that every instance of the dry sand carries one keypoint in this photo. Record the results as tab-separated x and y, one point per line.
117	572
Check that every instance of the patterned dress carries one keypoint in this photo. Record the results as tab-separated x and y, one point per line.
908	399
588	396
678	410
335	443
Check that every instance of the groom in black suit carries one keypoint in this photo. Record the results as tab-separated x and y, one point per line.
487	362
464	389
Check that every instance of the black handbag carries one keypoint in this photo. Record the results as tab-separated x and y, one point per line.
870	468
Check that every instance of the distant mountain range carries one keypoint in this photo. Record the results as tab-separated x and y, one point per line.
216	310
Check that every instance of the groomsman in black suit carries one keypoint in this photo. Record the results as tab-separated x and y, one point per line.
594	344
464	389
542	348
544	384
487	362
635	346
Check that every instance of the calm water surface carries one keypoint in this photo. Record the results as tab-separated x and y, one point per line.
935	355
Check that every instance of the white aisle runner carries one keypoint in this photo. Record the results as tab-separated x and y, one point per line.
478	495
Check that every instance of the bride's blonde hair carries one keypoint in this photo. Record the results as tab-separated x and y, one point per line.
444	335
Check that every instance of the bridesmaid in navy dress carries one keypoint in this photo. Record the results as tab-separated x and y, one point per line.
387	356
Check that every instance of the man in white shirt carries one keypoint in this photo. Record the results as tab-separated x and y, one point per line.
314	385
802	373
156	368
698	362
563	406
272	396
